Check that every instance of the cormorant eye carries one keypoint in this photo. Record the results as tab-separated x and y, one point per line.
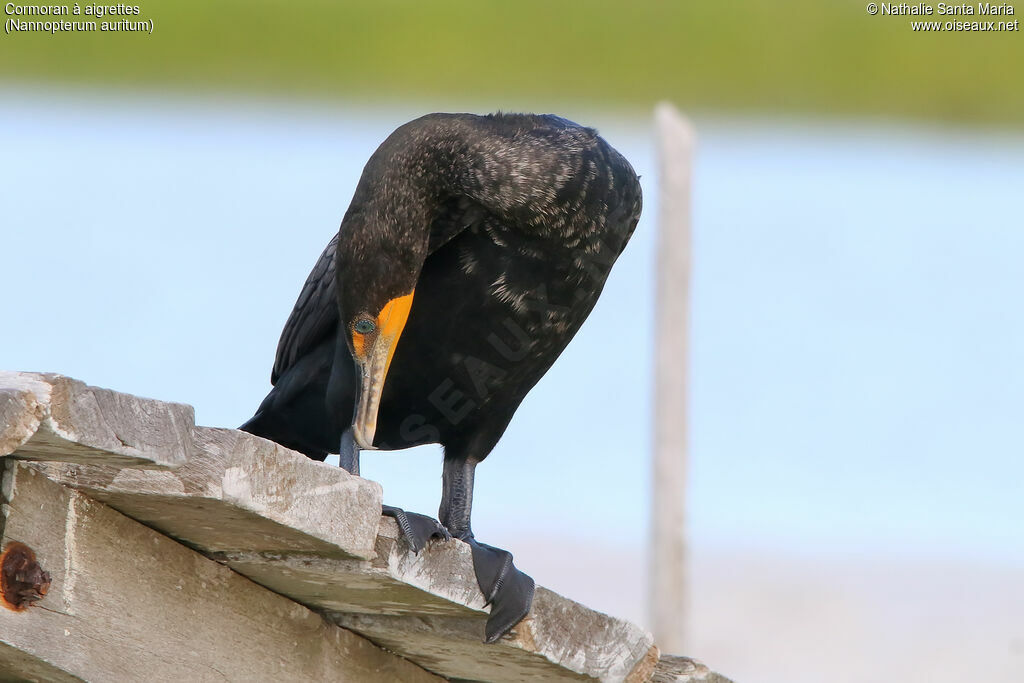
365	326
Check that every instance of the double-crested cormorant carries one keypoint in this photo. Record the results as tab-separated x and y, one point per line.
472	251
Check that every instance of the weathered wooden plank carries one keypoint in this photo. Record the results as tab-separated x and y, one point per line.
16	665
447	637
305	530
439	581
372	574
127	603
428	608
350	578
242	493
20	410
548	645
672	669
52	417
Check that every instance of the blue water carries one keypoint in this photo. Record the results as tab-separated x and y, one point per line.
858	338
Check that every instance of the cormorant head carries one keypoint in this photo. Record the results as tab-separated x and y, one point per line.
382	245
378	265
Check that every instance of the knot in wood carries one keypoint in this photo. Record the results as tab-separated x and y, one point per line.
22	580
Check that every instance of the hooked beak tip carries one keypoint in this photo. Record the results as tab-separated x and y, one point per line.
363	442
363	433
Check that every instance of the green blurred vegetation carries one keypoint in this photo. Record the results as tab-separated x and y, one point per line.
799	56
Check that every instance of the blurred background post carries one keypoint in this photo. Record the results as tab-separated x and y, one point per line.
667	588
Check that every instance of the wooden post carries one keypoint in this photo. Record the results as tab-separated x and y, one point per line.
667	587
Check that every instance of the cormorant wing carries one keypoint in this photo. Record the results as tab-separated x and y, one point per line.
314	317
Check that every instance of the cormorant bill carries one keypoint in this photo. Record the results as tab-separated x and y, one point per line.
472	251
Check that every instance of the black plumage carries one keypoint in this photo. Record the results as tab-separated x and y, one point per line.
494	235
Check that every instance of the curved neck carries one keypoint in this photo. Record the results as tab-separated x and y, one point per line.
514	166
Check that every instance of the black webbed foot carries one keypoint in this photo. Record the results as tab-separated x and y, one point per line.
508	590
417	529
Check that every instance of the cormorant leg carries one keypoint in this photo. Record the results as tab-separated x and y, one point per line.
508	590
348	452
457	497
417	529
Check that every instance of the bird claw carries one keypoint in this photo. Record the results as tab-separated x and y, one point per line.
417	529
507	590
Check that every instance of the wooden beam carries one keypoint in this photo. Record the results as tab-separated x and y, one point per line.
426	607
52	417
127	603
672	669
241	493
310	533
548	645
